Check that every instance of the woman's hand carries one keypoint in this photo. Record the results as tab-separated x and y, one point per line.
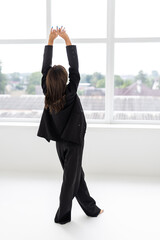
52	36
62	33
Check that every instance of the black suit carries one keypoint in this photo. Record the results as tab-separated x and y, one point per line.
68	129
69	124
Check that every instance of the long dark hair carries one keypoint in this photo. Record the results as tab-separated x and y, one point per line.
56	80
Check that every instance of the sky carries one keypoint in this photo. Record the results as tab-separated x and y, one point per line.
133	18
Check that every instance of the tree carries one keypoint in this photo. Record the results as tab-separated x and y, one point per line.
3	81
88	78
100	83
144	78
34	79
15	77
118	81
127	83
141	76
31	89
121	83
95	77
155	74
85	78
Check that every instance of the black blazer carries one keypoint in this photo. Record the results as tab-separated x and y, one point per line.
69	124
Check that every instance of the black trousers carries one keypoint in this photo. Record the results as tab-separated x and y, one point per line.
73	185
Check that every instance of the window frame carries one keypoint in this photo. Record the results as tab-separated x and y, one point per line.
110	42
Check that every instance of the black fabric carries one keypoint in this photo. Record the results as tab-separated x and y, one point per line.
68	129
69	124
73	185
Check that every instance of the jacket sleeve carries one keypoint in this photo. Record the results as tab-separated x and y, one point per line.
74	76
46	65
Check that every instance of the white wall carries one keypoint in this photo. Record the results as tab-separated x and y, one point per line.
109	150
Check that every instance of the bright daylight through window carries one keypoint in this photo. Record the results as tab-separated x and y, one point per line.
118	44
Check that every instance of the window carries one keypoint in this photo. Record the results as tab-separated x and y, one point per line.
91	89
136	65
118	45
137	92
21	81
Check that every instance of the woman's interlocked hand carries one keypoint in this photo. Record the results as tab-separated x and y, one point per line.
54	33
62	32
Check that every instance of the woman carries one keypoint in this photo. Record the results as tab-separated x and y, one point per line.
63	121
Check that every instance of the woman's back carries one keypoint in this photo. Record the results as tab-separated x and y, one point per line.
69	123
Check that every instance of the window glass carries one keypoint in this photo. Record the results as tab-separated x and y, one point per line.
20	77
92	66
20	74
22	19
134	18
137	81
82	19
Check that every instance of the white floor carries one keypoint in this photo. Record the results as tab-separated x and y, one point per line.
28	205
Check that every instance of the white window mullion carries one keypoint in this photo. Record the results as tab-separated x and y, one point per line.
137	40
48	18
110	61
79	40
22	41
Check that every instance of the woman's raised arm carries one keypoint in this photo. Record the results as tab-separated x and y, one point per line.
52	36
